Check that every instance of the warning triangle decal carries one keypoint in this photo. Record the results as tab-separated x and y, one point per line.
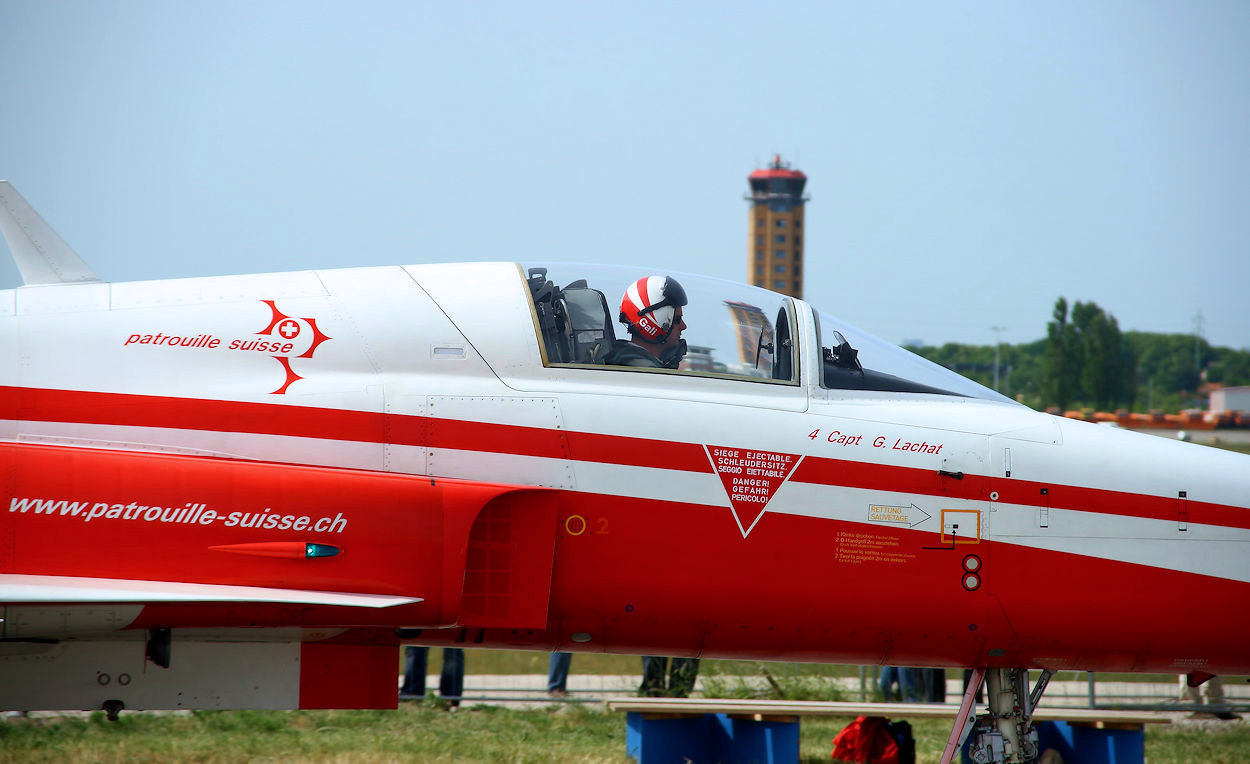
750	479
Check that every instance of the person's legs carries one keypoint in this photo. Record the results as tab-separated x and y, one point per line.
684	671
653	670
889	675
909	685
1188	694
451	680
934	685
1213	689
558	672
414	670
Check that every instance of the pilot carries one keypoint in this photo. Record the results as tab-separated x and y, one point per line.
651	310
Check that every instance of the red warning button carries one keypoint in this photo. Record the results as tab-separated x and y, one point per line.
750	479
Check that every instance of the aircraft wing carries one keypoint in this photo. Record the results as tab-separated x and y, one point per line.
72	589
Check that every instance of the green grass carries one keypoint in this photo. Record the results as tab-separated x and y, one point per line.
1243	448
417	731
778	681
425	732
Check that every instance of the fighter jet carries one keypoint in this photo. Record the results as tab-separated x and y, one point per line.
247	491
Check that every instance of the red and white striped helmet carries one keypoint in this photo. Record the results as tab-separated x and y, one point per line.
649	305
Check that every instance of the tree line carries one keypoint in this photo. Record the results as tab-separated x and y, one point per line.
1086	361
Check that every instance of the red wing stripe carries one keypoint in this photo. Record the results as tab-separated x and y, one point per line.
35	405
1123	503
881	477
38	405
493	438
29	404
884	477
638	452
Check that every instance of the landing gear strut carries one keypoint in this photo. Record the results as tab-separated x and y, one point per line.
1006	732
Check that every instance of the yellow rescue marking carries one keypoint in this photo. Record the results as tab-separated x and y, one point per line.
883	514
961	526
858	547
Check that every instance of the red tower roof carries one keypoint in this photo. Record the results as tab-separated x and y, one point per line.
777	169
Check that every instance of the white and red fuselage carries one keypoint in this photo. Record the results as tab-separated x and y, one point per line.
173	452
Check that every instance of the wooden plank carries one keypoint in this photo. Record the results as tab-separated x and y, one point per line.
696	706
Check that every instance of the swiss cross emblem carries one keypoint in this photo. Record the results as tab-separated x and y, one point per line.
288	328
751	478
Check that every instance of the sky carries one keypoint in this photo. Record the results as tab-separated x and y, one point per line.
968	162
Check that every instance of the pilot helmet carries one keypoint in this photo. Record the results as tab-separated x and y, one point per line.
649	306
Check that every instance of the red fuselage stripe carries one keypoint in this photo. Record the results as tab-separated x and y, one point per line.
867	475
119	409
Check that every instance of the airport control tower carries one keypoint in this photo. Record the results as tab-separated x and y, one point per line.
775	228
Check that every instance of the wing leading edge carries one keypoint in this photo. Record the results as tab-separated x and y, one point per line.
29	589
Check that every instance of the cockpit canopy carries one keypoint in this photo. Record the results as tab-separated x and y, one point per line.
731	331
